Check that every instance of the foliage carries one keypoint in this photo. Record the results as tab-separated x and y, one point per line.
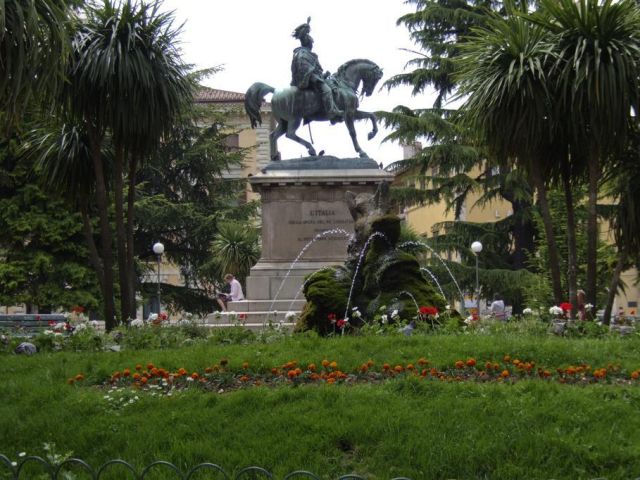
235	249
33	53
44	260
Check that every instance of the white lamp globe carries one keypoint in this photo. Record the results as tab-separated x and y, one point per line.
158	248
476	247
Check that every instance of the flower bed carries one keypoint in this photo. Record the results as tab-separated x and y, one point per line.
222	376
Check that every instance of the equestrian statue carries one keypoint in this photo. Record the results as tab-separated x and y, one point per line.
315	95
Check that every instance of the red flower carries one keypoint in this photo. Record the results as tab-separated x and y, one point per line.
77	309
566	307
163	316
341	323
428	311
242	316
52	323
332	317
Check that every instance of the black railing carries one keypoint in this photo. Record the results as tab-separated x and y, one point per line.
57	471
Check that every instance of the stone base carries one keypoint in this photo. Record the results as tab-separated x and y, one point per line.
305	217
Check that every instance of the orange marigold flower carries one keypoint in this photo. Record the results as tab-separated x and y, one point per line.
126	372
208	370
182	371
154	372
116	375
423	361
311	367
398	368
195	375
136	376
571	371
424	372
370	363
635	374
410	366
274	371
600	373
471	362
143	380
504	374
291	373
364	368
333	365
325	363
70	381
488	365
314	376
298	371
546	373
459	364
138	367
245	365
150	366
244	378
386	366
331	380
507	358
79	377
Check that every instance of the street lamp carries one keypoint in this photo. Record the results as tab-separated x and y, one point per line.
476	248
158	249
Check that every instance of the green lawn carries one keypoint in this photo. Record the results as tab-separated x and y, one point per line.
410	427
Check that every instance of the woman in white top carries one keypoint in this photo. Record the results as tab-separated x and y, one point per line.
497	308
235	294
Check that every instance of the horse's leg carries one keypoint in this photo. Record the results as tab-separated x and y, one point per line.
360	115
291	134
280	130
348	121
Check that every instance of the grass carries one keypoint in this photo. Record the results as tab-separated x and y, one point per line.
419	429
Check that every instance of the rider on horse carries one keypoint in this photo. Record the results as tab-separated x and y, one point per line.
307	74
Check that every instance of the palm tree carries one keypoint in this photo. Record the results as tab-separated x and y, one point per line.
502	75
234	250
596	70
33	52
127	79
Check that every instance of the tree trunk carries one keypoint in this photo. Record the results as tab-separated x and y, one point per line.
94	256
572	250
554	258
131	266
592	230
121	238
613	286
105	230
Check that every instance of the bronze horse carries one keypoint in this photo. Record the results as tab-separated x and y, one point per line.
291	106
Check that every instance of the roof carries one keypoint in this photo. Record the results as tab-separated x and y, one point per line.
213	95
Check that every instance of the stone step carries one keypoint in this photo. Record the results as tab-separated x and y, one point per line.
239	318
266	305
252	326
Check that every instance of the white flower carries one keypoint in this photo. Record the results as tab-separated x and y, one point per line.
22	454
555	310
527	311
384	319
59	326
80	327
290	316
468	320
588	307
57	334
152	317
14	464
189	379
48	332
447	307
356	313
93	323
139	323
394	314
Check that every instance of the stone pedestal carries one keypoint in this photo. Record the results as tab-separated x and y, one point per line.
302	200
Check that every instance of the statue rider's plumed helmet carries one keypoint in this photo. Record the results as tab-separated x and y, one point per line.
302	32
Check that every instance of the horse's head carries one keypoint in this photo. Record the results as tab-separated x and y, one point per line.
370	79
360	70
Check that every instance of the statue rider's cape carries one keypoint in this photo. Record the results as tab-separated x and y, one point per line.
304	64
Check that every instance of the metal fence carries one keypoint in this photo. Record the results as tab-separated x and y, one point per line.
16	470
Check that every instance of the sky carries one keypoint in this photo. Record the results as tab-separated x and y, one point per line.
251	40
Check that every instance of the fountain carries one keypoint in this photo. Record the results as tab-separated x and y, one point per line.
375	276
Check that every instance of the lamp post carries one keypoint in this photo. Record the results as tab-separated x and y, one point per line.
158	249
476	248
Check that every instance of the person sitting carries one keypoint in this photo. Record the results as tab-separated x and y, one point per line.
498	309
235	292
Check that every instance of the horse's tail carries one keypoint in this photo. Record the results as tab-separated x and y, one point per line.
253	101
